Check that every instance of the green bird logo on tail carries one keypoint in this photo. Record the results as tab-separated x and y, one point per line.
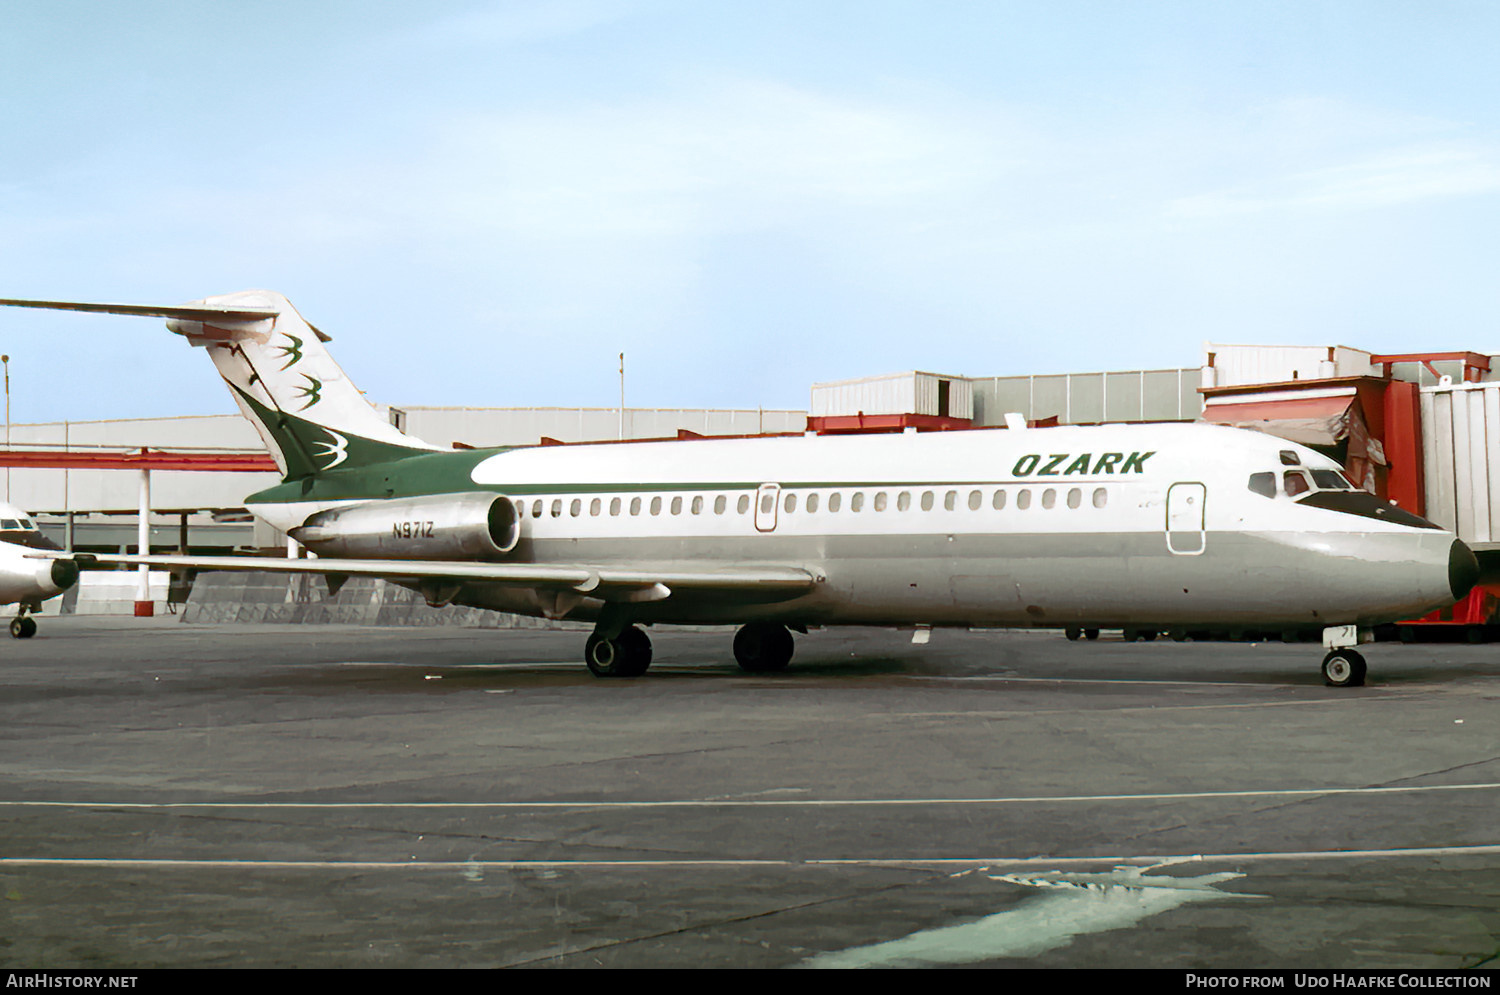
313	391
293	352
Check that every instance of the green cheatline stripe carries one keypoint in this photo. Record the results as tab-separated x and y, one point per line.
670	487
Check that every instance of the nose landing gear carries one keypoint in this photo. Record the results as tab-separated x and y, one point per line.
23	626
1344	669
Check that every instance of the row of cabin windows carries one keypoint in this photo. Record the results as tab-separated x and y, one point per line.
880	501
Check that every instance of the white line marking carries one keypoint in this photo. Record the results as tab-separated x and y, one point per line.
935	863
1103	680
773	802
1062	907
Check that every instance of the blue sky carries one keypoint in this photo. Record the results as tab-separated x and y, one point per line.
485	202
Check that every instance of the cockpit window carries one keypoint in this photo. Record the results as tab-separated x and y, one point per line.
27	523
1331	480
1289	457
1263	484
1295	483
9	524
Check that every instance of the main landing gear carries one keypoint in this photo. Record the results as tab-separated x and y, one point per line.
23	626
618	650
763	647
628	654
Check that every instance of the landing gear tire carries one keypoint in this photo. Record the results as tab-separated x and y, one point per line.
1091	634
627	655
1344	669
23	627
763	647
1073	634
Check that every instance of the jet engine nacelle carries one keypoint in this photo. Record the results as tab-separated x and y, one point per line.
470	526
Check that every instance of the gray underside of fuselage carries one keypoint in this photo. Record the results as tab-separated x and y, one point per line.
1292	580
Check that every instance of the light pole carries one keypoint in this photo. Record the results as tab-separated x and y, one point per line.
6	361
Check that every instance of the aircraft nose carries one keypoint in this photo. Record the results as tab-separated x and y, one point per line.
1463	569
64	574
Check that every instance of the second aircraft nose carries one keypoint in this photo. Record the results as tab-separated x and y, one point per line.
1463	569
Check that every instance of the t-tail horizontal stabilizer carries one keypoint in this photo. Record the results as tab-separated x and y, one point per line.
311	417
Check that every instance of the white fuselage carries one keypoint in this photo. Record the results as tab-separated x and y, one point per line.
1105	525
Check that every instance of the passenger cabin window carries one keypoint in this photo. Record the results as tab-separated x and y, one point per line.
857	501
677	506
903	501
1075	497
1263	484
1023	499
998	501
812	502
1101	497
1049	498
834	500
744	503
720	504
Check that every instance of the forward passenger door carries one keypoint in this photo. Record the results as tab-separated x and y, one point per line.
1186	534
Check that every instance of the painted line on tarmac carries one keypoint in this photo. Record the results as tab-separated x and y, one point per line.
430	665
773	802
936	863
1099	680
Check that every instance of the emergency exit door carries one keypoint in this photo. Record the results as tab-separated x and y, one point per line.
767	497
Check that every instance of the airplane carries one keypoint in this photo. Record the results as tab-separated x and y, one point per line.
29	574
1145	527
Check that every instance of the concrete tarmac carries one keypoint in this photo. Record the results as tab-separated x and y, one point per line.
319	796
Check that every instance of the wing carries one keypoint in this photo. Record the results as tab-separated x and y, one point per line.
604	582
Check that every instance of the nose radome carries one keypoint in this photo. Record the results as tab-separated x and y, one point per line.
1463	569
64	573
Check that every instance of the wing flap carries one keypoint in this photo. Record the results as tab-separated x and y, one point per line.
603	582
